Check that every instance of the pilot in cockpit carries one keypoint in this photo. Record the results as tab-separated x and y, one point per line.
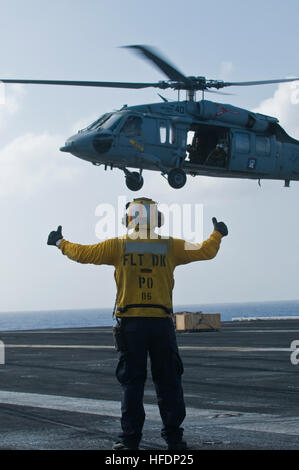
132	126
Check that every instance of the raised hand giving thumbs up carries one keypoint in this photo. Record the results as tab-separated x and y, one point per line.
220	227
55	236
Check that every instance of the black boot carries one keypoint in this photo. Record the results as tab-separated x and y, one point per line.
121	446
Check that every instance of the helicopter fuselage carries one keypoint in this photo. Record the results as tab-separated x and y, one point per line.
195	138
183	137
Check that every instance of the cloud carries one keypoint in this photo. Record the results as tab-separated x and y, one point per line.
30	162
284	104
10	101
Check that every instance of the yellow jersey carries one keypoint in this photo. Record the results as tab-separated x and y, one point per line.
143	268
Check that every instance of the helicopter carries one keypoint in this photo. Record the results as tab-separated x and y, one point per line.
227	141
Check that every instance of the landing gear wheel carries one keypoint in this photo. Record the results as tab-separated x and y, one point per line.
134	181
177	178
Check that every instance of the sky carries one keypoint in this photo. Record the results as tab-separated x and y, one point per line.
41	187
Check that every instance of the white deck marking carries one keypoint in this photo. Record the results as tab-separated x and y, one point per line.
223	418
190	348
286	425
261	331
233	348
89	405
59	346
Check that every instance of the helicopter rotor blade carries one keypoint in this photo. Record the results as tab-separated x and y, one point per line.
259	82
171	72
87	83
219	92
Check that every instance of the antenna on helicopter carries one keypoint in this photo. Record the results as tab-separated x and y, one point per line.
163	98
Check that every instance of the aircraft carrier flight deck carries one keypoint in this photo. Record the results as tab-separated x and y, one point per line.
59	391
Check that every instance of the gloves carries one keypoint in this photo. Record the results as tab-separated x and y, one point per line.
220	227
55	236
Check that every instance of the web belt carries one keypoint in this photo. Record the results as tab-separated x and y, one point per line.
124	309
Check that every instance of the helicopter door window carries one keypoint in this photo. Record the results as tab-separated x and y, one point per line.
262	145
242	142
163	132
132	126
172	135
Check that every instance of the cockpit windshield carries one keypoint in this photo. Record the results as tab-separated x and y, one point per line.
99	121
112	121
106	121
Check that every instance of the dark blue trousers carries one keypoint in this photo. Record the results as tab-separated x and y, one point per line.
154	337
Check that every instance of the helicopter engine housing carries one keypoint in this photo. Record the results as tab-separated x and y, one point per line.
226	113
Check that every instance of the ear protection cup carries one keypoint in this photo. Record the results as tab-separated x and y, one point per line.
125	219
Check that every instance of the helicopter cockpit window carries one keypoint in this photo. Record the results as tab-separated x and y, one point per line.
163	132
112	121
262	145
242	142
132	126
98	122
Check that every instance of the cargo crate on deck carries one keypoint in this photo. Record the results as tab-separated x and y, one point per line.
195	321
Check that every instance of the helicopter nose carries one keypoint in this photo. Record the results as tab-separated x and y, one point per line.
67	147
73	145
80	145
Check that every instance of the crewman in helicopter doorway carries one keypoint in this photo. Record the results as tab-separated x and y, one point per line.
144	264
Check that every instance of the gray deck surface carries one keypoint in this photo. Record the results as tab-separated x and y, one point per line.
58	389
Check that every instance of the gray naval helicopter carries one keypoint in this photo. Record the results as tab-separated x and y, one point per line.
227	141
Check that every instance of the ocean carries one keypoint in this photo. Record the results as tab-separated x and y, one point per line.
31	320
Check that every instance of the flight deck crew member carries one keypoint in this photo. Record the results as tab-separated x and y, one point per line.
144	264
